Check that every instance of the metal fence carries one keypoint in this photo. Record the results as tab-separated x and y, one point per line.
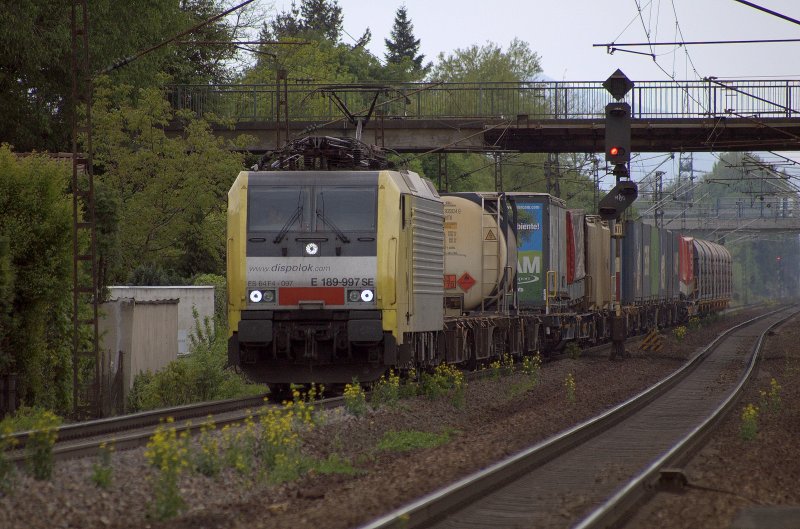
536	100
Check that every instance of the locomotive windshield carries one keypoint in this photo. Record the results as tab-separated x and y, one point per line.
276	209
291	209
348	209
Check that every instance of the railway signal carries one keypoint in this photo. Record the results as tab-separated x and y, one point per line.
618	133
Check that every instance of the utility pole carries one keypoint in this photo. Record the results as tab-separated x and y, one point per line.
86	382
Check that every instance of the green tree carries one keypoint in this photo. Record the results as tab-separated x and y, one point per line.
314	18
488	63
36	220
35	58
402	56
170	190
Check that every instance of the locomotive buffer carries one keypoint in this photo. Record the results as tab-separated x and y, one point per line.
611	207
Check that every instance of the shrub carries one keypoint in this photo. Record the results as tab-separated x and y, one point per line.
573	350
168	453
7	467
201	376
749	426
355	401
445	380
102	470
386	392
39	446
570	387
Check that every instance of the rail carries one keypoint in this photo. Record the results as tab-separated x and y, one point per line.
539	100
431	509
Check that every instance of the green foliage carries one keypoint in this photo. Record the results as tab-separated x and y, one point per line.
771	399
35	101
749	426
355	400
333	464
408	440
171	191
570	387
39	446
573	350
488	62
201	376
402	49
7	467
445	381
102	471
168	453
386	391
36	276
220	285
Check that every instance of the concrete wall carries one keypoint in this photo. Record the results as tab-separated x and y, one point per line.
136	336
199	297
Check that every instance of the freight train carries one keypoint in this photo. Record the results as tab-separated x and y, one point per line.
340	267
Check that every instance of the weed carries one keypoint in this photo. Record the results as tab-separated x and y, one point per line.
532	367
102	471
569	385
749	426
207	459
573	350
39	446
771	399
409	386
407	440
445	380
495	367
694	323
386	392
279	441
355	401
168	453
333	464
679	333
7	468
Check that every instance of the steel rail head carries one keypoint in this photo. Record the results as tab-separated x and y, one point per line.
434	506
620	504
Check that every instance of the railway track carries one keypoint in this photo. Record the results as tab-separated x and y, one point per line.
134	430
593	474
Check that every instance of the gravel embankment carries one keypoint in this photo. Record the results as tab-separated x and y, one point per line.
495	421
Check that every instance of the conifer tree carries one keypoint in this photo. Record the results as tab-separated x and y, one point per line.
402	46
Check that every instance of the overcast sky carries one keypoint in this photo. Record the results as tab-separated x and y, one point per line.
563	32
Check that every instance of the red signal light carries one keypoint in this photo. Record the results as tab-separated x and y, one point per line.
613	151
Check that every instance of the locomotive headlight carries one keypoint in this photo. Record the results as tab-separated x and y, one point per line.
353	296
256	296
312	248
269	296
367	295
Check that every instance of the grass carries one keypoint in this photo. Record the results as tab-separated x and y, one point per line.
408	440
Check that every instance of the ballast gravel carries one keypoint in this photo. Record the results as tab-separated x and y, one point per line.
498	418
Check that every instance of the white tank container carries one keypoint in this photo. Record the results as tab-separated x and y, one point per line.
476	250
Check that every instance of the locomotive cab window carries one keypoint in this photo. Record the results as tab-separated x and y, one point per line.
275	209
345	208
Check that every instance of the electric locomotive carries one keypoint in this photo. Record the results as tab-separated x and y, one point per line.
322	288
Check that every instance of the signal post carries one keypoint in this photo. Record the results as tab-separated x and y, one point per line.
611	207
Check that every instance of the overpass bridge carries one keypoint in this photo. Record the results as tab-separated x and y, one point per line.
667	116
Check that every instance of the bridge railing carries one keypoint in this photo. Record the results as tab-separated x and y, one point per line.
536	100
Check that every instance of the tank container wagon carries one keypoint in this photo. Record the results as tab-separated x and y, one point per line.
339	267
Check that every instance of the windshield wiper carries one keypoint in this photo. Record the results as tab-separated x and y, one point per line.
339	233
298	213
